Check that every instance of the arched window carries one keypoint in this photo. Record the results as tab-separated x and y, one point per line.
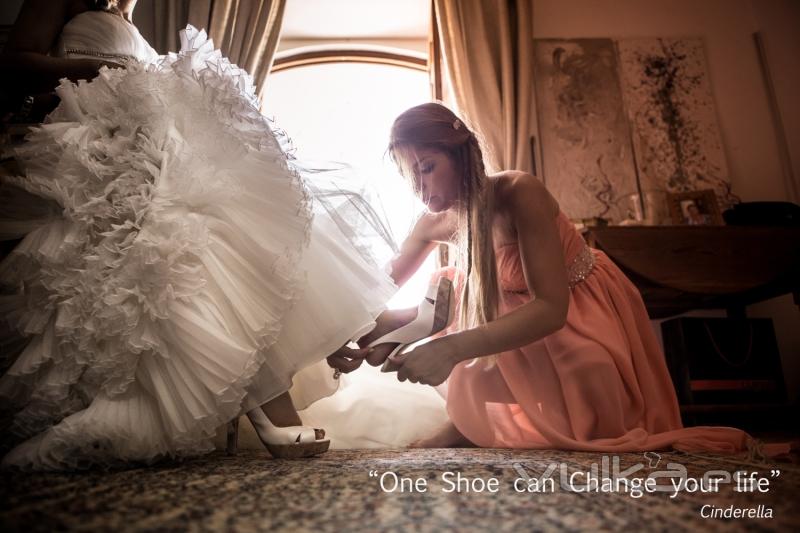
317	55
337	104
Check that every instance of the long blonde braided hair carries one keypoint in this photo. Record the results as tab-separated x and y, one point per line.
434	126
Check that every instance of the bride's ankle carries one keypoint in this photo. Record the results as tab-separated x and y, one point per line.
397	318
284	420
281	411
407	316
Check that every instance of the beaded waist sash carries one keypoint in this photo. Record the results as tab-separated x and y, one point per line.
581	267
101	55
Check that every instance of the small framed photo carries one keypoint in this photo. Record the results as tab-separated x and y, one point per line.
695	208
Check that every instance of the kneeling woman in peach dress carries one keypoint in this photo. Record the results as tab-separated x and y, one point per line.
576	367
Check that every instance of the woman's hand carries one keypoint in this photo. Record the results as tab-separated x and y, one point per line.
346	359
428	364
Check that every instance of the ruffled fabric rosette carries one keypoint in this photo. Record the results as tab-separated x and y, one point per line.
172	265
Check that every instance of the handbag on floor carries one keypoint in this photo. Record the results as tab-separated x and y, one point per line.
723	360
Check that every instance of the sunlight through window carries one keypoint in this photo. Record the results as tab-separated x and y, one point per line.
342	112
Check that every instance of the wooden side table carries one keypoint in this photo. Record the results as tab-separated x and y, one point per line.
682	268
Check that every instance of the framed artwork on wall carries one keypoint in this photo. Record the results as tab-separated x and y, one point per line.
587	161
620	116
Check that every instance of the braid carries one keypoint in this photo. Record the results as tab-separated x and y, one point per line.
479	300
469	234
467	255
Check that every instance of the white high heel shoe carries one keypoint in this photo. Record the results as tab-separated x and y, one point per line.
434	313
283	443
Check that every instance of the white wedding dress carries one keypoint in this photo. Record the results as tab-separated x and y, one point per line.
184	273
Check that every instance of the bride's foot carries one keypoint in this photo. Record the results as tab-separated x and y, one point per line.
387	322
281	413
289	442
396	329
280	429
446	437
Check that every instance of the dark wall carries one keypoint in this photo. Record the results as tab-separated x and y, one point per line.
8	11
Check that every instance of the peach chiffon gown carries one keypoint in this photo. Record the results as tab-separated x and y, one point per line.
600	383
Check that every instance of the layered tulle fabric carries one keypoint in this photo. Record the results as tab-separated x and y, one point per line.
188	276
600	383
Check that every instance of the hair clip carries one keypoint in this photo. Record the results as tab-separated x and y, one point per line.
456	124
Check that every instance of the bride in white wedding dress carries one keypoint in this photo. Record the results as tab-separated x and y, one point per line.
184	273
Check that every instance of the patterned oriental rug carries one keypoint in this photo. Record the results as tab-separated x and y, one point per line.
413	490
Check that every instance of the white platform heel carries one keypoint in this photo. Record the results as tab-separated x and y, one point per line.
434	314
282	442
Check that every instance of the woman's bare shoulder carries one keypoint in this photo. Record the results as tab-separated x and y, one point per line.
516	189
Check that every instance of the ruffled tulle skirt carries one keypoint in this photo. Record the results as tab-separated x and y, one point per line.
175	272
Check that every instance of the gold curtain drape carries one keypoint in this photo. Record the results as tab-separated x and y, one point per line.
159	22
482	60
246	31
